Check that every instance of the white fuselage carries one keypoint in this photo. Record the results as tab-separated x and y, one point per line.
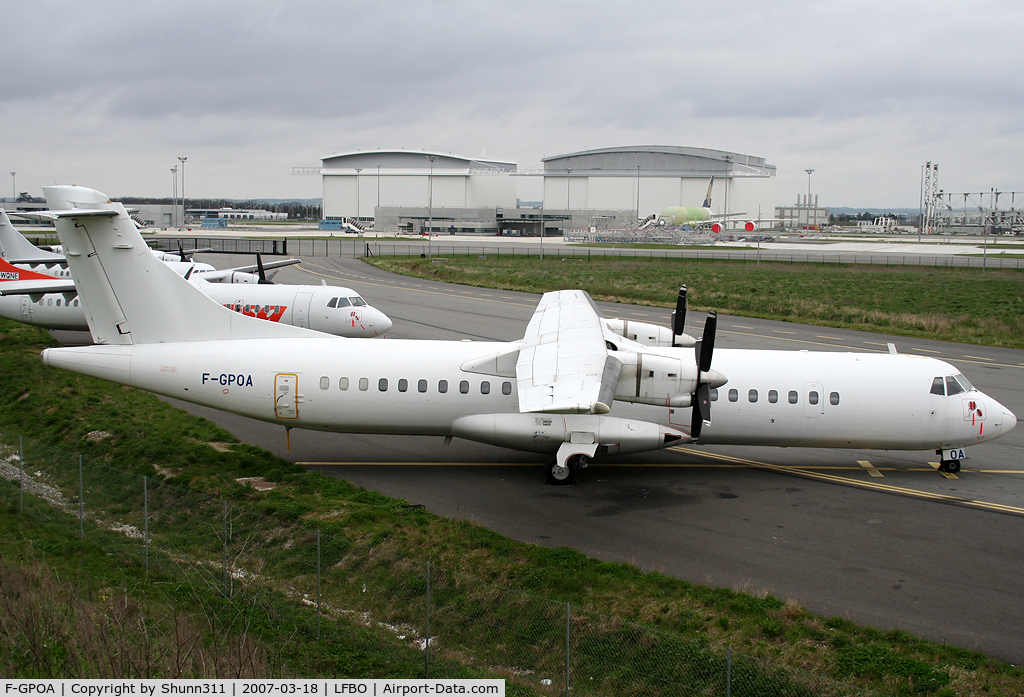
853	400
300	306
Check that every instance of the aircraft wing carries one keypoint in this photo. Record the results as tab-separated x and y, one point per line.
564	366
225	273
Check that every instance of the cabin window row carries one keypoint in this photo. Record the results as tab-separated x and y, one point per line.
383	384
773	396
60	301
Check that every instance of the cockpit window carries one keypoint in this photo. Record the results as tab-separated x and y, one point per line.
357	301
342	302
333	302
964	382
939	386
952	386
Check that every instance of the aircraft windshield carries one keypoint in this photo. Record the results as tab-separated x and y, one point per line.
357	301
952	386
964	382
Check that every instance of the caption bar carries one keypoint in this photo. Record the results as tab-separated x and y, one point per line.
245	688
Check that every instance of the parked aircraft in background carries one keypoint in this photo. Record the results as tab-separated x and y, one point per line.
53	303
17	250
570	388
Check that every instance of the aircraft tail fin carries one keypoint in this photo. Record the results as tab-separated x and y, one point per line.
130	296
14	247
707	197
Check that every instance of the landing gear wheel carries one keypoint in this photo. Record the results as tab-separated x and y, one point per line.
559	475
951	466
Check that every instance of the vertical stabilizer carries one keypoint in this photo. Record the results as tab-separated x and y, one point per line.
130	296
14	247
707	197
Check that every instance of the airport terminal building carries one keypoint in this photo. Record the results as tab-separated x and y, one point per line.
604	188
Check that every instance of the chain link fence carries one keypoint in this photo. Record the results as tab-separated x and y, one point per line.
452	619
358	248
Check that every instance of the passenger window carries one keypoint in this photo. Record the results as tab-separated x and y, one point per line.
382	384
333	302
342	383
752	396
812	397
506	388
357	301
442	386
485	387
49	301
58	302
938	386
793	397
325	383
734	396
773	396
364	384
464	387
76	302
952	386
713	393
403	385
833	398
421	385
343	302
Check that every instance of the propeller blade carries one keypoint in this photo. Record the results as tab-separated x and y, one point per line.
189	272
707	342
181	252
260	271
679	315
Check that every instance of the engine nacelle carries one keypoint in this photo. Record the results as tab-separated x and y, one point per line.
717	228
545	433
648	378
749	226
640	332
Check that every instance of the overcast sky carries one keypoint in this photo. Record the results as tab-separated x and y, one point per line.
107	94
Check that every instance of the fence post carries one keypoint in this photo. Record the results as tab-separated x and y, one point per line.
20	472
728	673
225	548
426	639
81	501
318	584
145	510
568	614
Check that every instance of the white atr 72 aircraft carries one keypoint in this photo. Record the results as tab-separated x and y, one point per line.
571	388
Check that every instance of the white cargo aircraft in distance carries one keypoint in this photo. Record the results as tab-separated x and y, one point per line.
571	388
53	303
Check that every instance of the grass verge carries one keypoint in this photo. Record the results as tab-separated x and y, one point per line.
953	304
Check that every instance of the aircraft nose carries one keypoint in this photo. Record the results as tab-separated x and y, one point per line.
379	321
1009	420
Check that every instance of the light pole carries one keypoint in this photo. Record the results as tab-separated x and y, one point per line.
358	170
638	193
182	160
430	205
378	194
174	195
14	188
809	222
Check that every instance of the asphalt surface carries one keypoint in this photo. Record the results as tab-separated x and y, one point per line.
879	537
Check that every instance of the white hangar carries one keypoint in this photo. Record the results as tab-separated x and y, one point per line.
403	188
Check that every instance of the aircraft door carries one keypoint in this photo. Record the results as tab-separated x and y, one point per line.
300	309
286	396
26	309
814	399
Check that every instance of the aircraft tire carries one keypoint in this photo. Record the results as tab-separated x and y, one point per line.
952	466
561	476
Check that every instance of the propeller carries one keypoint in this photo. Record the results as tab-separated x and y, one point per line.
181	252
189	272
701	399
261	272
679	315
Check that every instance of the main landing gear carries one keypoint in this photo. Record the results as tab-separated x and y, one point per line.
565	475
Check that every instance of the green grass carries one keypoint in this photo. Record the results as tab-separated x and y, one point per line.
503	598
954	304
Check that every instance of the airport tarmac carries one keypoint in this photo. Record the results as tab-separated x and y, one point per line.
879	537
